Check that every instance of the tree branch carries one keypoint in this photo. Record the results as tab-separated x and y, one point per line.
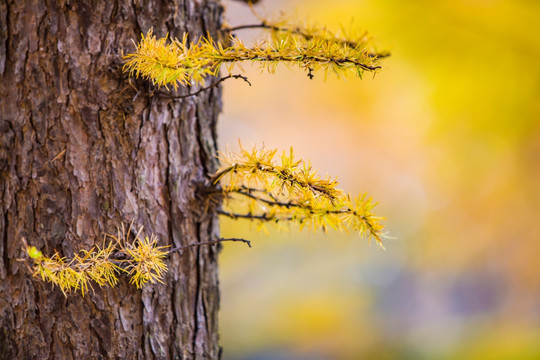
262	25
287	205
275	202
286	177
298	31
214	84
212	242
263	217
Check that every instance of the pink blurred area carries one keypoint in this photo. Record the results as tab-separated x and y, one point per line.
447	139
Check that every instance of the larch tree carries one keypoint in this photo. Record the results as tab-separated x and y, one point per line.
100	136
82	151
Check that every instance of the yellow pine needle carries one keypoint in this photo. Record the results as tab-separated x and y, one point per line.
145	263
288	190
175	62
148	261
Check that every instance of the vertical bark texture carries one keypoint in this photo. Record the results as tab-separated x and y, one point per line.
82	151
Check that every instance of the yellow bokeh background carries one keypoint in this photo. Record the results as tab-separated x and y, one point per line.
447	139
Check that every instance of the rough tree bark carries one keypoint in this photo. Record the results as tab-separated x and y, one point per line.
82	151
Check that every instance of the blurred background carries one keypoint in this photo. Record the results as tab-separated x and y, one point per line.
447	139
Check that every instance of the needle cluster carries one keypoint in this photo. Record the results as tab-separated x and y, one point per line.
140	258
179	62
288	190
346	36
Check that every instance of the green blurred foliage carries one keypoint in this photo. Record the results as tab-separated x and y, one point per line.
447	138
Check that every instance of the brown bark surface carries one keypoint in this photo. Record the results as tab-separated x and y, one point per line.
82	151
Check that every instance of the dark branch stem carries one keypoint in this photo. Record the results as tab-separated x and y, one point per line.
315	59
254	26
298	31
286	177
211	190
287	205
262	191
212	242
214	84
263	217
266	217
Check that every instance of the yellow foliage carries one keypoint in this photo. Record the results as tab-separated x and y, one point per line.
143	261
289	190
147	263
177	62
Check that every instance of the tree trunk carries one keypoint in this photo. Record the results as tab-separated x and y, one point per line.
81	152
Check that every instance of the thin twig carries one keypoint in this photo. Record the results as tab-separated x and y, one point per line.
211	190
269	202
266	217
216	83
291	204
284	176
263	217
287	205
250	190
264	25
212	242
291	58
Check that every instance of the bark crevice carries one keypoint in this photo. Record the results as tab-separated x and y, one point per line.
81	152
